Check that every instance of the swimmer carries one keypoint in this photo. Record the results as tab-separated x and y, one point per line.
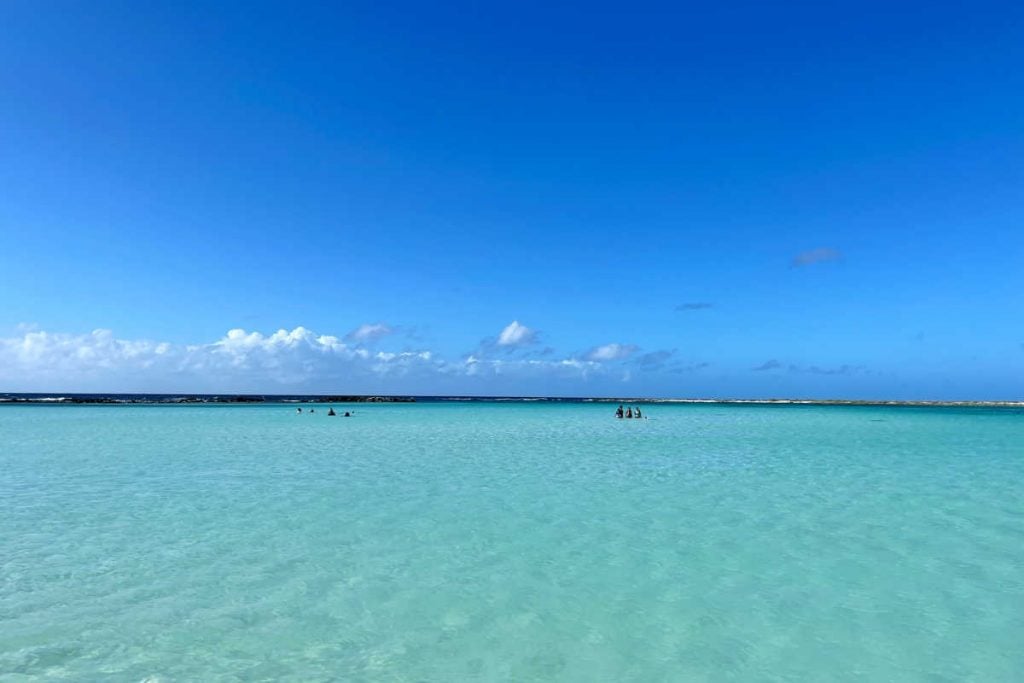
629	412
636	413
618	412
330	412
348	414
298	410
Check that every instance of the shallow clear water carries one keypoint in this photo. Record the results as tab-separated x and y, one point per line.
444	542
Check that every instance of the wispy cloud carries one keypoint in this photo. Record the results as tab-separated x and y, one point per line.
654	360
812	256
609	352
516	334
840	370
684	369
663	360
369	332
545	352
694	306
844	369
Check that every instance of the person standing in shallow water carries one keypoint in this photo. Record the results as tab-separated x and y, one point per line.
618	412
629	413
636	413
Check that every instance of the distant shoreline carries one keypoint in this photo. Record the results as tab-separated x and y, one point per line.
242	399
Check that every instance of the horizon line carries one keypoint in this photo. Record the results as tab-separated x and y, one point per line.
260	397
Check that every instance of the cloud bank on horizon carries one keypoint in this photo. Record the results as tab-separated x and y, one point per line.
302	361
295	361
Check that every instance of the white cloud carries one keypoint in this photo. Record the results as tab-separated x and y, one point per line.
611	352
516	334
58	353
239	361
369	332
286	361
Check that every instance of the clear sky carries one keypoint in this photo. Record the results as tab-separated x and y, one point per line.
678	199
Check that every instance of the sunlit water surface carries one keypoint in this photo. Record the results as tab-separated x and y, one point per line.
459	542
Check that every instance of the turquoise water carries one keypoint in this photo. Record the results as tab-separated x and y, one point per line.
460	542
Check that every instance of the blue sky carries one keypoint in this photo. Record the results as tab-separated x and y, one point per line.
816	199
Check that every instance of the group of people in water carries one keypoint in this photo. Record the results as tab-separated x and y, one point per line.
330	412
630	413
